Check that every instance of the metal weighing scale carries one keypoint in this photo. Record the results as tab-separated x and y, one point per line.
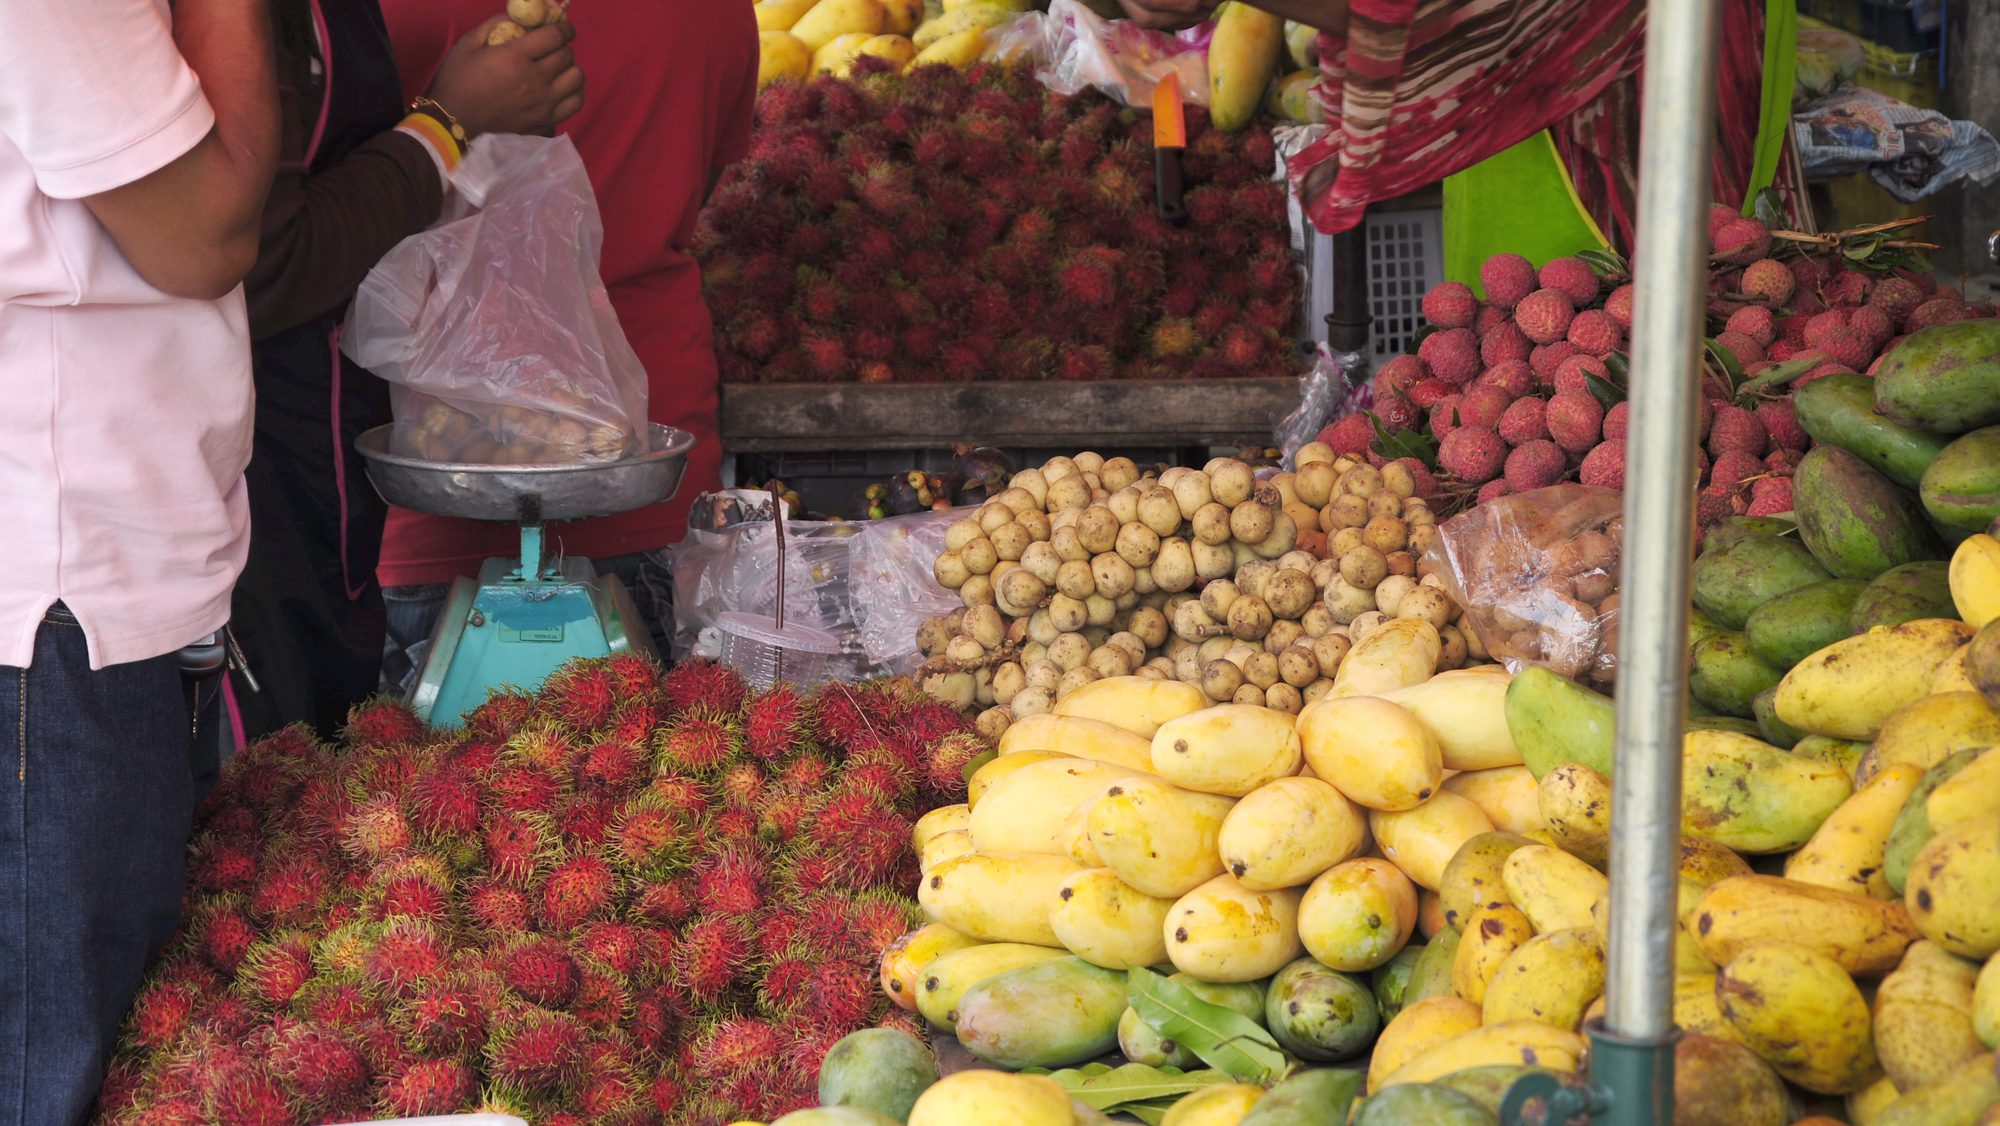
526	615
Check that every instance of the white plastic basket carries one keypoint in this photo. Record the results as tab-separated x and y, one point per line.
1405	259
755	646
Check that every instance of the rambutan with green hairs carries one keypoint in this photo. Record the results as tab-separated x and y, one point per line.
582	696
538	968
713	954
534	1049
220	864
496	909
442	1018
273	971
517	845
699	742
320	1069
377	830
503	712
577	890
249	1096
429	1088
731	883
419	895
602	996
649	839
445	802
338	1001
223	932
160	1013
383	722
406	954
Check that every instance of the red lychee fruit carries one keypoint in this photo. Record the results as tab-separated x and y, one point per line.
1832	336
1848	287
1399	373
1736	430
1349	435
1742	241
1755	322
1575	421
1544	315
1451	305
1746	350
1604	465
1720	215
1507	278
1574	278
1896	296
1595	332
1614	420
1821	371
1734	467
1427	485
1491	317
1524	421
1546	358
1874	324
1781	425
1572	375
1534	465
1936	311
1452	355
1503	343
1483	405
1512	376
1619	306
1425	393
1769	281
1770	496
1445	416
1473	454
1491	491
1398	412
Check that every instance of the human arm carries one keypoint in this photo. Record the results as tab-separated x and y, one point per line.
1327	15
190	228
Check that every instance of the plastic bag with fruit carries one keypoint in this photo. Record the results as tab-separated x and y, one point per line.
1538	575
493	327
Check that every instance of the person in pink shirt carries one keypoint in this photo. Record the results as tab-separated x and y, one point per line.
136	146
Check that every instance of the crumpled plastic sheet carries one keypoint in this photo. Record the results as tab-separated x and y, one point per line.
1074	49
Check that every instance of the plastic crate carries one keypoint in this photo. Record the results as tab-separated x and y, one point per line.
1405	259
1895	25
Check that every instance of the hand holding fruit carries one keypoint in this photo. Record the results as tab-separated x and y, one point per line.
528	85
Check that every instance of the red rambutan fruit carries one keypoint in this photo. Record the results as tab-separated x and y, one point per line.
535	1049
712	687
428	1088
413	895
1090	277
712	954
406	954
223	933
582	695
497	909
221	865
445	802
578	889
539	969
322	1070
613	764
586	821
274	970
377	831
249	1096
526	789
382	722
699	742
731	884
160	1013
515	846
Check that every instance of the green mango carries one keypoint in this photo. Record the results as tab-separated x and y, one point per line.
1320	1096
1700	626
1726	675
1944	379
1554	720
1799	623
1730	529
1051	1014
1422	1104
1748	572
1903	594
878	1069
1747	795
1391	980
1839	410
1855	521
1842	753
1770	728
1721	1081
1319	1014
1431	976
1912	829
1961	489
1712	722
1961	1095
1488	1085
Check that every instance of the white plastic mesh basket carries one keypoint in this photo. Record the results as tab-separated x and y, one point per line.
1405	258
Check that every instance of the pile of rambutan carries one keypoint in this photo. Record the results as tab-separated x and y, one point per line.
626	898
949	226
1526	388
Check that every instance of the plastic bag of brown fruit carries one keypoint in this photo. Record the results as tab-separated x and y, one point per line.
1538	574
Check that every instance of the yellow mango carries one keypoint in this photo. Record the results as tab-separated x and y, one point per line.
1550	978
1865	1107
1011	5
1707	863
901	17
830	19
1575	803
1848	689
1230	749
1967	1093
1302	45
1422	841
992	1098
1986	1003
1415	1031
1223	1104
1953	890
1923	1016
905	960
1399	653
1927	730
1134	703
1974	576
1242	56
960	49
1552	888
1465	709
780	15
1973	792
1697	1009
951	973
1290	98
997	898
1430	914
1859	934
1376	752
1472	879
1509	796
1494	932
1358	914
780	54
1025	811
1223	931
838	54
1076	841
1078	737
1108	923
1954	675
1753	797
988	776
943	847
1846	852
1158	837
897	50
1515	1043
1284	833
1798	1009
943	819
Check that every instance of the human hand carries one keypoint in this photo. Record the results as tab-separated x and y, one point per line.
1169	15
530	85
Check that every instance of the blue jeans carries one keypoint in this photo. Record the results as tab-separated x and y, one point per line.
100	792
413	613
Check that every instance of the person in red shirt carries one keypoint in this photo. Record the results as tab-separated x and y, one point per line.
670	107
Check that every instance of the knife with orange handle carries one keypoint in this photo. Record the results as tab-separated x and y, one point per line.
1169	139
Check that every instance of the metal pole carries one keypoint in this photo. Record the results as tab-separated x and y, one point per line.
1347	325
1633	1052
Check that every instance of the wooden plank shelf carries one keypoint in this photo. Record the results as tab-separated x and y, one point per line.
781	417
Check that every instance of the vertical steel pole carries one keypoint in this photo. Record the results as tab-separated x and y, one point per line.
1633	1052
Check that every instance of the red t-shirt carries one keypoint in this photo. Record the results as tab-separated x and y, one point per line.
668	103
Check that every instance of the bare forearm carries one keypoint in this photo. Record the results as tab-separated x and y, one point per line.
228	44
1327	15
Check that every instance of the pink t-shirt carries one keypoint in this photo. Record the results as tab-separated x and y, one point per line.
124	413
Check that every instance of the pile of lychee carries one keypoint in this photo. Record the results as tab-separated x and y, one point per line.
1253	587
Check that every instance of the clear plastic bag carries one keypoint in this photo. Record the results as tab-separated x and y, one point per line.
1325	391
494	326
1076	50
1537	573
